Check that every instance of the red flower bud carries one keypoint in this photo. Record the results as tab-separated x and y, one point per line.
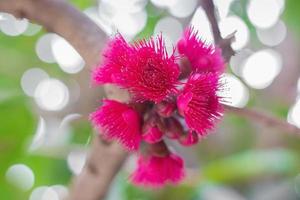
189	139
173	128
165	109
152	129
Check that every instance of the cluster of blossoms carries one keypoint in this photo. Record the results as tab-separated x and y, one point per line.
172	96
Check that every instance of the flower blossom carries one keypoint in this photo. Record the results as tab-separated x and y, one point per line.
119	121
202	57
144	68
163	103
156	171
198	102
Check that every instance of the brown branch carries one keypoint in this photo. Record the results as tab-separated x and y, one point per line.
264	119
58	16
224	43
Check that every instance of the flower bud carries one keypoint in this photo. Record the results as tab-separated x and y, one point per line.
173	128
189	139
165	109
152	130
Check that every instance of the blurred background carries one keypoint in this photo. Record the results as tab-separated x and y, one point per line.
45	97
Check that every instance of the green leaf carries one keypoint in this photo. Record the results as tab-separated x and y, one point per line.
251	164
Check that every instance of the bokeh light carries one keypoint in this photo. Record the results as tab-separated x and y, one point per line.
76	161
274	35
100	17
238	60
69	118
234	92
234	24
32	29
201	24
12	26
126	17
39	136
261	68
31	78
214	192
129	24
43	48
44	193
169	27
294	114
183	9
21	176
51	94
61	190
264	13
223	7
132	6
66	56
164	3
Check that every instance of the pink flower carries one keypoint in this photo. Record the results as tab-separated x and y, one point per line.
199	103
116	56
156	171
144	69
162	103
119	121
203	57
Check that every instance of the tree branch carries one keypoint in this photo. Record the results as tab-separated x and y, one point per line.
224	43
264	119
88	39
59	17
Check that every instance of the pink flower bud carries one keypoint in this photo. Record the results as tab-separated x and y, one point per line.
152	135
165	109
189	139
173	128
152	129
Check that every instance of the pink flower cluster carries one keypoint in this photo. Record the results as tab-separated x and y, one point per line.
165	102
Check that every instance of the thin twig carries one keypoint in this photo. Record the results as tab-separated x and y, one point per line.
223	43
264	119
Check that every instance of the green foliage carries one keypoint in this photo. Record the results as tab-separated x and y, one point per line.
252	164
17	123
82	132
292	15
170	192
